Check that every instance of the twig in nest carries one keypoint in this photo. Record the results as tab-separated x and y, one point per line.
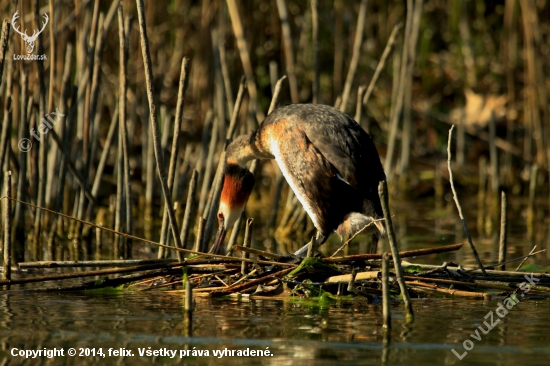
354	235
527	256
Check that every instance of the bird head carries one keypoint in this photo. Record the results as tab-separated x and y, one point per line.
237	186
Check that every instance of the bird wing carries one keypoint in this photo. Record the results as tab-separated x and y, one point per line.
347	147
313	179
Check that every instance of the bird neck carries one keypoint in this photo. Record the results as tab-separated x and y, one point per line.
240	151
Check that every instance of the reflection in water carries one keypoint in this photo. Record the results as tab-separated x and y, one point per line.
342	332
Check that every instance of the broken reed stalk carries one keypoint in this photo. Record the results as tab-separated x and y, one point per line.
355	54
383	193
154	123
493	156
247	242
386	312
531	203
212	208
310	247
133	237
199	235
234	235
481	195
315	51
359	103
235	115
289	54
459	208
7	230
188	318
276	93
178	124
118	240
503	229
382	62
189	207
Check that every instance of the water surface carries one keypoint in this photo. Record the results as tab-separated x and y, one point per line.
295	333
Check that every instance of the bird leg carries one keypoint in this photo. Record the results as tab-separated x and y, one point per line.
320	239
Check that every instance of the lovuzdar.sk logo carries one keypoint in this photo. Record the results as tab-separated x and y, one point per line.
29	40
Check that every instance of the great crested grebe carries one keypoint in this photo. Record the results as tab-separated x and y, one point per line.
328	160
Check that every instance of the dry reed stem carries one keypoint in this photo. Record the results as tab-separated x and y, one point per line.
383	193
4	46
386	312
428	289
276	92
407	96
382	63
315	51
399	93
503	229
94	263
123	133
531	203
189	207
238	29
178	125
355	54
289	54
459	208
359	104
154	123
247	242
235	114
7	230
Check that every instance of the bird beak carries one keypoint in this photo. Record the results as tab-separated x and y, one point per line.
220	235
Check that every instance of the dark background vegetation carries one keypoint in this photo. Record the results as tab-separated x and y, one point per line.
472	60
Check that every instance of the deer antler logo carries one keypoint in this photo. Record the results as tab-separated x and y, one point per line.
29	40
